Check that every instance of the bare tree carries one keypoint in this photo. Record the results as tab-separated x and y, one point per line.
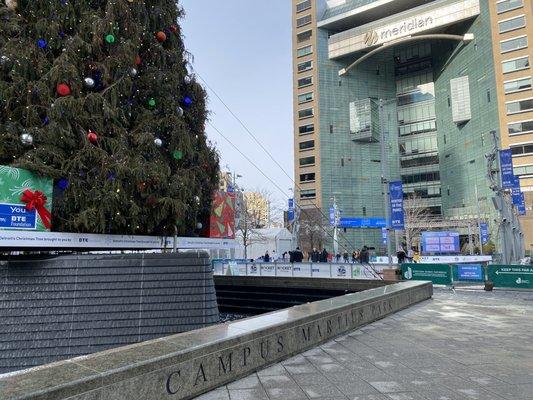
312	229
249	225
414	211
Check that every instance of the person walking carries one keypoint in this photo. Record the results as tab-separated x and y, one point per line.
298	256
354	256
324	256
315	255
266	257
337	258
401	256
364	256
346	256
416	257
410	254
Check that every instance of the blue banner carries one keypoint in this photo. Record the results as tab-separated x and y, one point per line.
396	204
484	228
518	197
522	206
471	272
350	222
440	242
15	216
384	235
290	213
332	216
506	167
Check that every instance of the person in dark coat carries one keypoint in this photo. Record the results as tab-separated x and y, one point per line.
364	256
298	256
266	258
401	256
324	256
315	255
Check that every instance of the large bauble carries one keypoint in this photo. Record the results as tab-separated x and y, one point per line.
26	139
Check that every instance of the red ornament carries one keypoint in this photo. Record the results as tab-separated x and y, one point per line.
138	60
63	89
173	28
161	36
92	137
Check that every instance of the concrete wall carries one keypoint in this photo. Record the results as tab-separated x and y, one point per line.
186	365
60	307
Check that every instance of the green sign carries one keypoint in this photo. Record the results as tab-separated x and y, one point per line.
512	276
439	274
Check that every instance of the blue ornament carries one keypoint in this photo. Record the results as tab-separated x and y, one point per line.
61	34
187	101
42	43
63	184
46	120
111	176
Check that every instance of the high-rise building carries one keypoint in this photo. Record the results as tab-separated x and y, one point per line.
257	207
425	81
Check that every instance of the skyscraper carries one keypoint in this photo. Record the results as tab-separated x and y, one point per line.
445	72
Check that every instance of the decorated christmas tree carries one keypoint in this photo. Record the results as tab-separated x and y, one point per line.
96	95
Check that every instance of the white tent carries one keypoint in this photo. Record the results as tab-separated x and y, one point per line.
262	240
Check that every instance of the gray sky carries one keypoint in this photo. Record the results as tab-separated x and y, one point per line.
242	48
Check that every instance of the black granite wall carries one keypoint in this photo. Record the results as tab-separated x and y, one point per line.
54	308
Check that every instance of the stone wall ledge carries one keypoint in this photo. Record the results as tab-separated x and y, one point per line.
188	364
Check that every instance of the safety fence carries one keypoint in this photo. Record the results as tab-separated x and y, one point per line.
502	276
285	269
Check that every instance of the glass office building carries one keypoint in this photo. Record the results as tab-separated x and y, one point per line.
447	72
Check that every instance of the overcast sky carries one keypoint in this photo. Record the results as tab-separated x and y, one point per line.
242	48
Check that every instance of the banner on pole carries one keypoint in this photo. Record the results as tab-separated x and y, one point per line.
396	203
506	167
290	214
484	227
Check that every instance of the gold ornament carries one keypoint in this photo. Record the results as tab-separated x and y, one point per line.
12	4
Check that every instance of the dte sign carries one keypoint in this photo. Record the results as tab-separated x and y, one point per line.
16	216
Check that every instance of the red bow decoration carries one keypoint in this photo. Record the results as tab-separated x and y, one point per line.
36	201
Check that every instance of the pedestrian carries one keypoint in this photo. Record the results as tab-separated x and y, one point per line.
266	257
324	256
337	258
354	256
274	257
315	255
401	255
416	257
298	255
345	256
364	256
291	256
410	254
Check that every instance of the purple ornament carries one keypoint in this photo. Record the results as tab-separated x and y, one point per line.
42	43
61	34
63	184
111	176
46	120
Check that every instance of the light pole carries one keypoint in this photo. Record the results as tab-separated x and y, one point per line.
336	223
384	179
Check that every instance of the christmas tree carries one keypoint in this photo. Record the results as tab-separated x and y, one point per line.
96	95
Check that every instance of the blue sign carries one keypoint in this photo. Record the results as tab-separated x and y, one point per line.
484	228
522	205
470	272
506	167
332	216
440	242
290	214
350	222
518	197
384	235
396	204
16	216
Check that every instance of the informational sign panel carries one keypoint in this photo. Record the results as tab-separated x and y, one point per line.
439	274
506	167
290	213
362	222
522	205
396	203
511	276
16	216
470	272
440	242
485	236
384	235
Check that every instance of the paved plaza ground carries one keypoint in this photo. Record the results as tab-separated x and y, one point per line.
459	345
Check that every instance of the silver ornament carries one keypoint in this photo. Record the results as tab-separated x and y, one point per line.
89	82
197	199
180	111
11	4
187	79
4	59
158	142
26	139
199	225
133	72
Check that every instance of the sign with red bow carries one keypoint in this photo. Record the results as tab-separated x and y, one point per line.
36	201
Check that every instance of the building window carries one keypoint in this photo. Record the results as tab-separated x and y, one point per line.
307	177
306	97
516	43
522	150
302	37
524	170
514	107
512	24
306	129
423	177
304	5
303	82
508	5
305	161
306	113
308	145
519	128
305	66
516	64
303	21
517	85
304	51
488	95
420	161
308	194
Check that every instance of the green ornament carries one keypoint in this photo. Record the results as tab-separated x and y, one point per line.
178	155
110	38
151	102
